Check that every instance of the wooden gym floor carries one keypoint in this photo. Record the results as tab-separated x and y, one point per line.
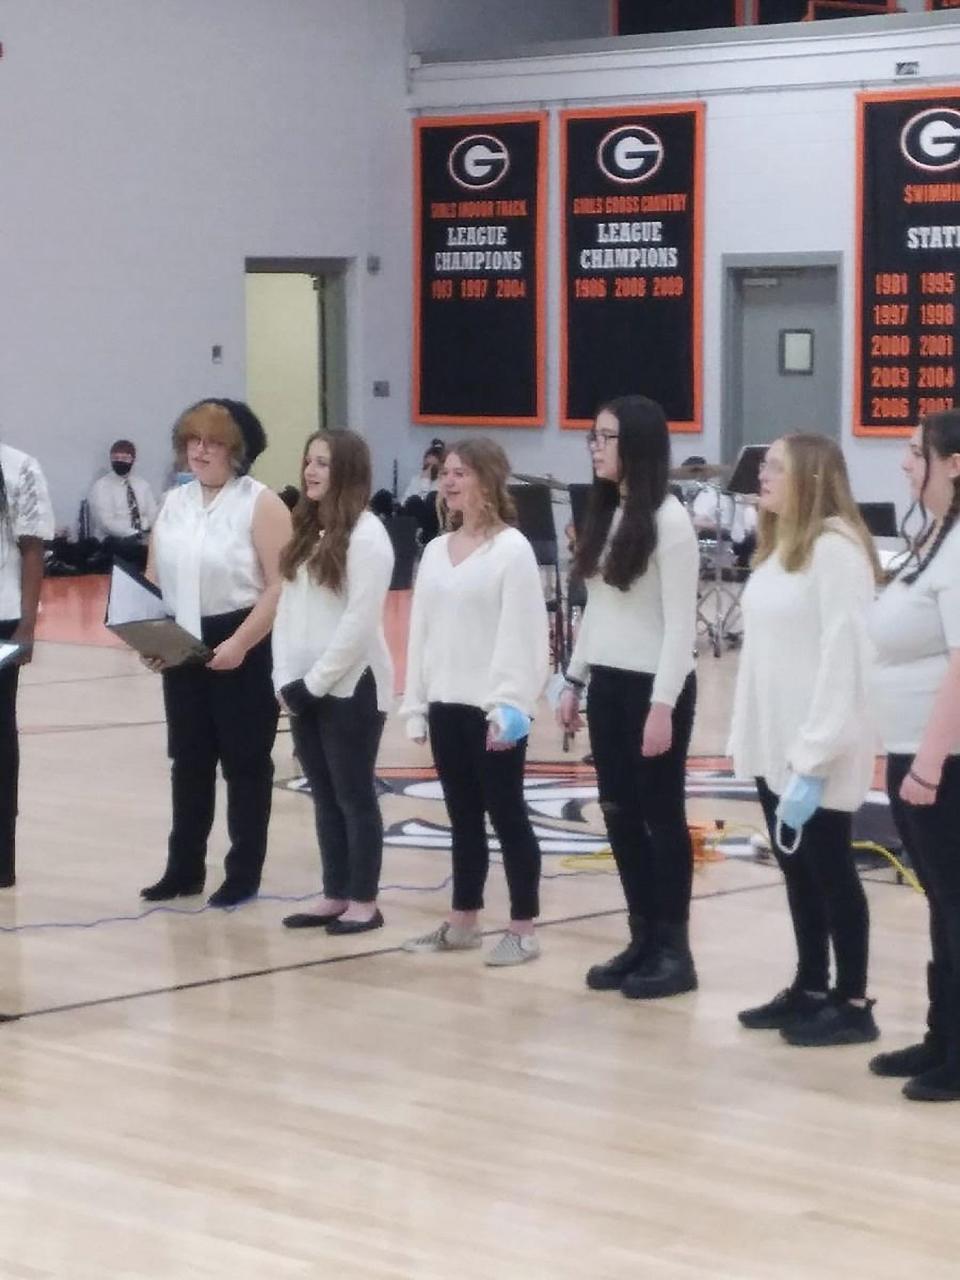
192	1093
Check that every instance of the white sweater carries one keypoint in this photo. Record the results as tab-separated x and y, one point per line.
478	630
329	638
801	697
914	626
652	626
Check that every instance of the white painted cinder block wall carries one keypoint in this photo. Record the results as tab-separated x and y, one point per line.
780	173
146	150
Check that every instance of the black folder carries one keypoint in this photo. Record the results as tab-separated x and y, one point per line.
136	613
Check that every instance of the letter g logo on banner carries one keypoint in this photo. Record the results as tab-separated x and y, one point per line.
930	140
478	162
632	153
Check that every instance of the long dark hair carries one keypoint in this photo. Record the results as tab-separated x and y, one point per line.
939	434
334	516
644	447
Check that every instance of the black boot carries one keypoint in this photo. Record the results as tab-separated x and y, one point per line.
171	885
610	976
942	1082
916	1059
667	969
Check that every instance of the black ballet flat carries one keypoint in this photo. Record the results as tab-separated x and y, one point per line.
340	927
168	887
310	920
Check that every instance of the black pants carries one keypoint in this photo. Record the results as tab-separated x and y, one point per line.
476	781
227	718
9	762
337	741
931	836
643	798
826	899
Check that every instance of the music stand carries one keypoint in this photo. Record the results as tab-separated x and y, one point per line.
535	521
880	518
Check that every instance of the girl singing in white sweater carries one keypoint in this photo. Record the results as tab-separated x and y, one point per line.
476	665
332	670
639	557
801	729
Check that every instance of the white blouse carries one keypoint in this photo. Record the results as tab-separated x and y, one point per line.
205	558
478	629
652	626
329	638
801	701
29	515
913	627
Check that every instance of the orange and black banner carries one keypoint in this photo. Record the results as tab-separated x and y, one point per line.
480	193
908	259
646	17
942	6
632	253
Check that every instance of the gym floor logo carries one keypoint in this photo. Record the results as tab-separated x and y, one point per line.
561	800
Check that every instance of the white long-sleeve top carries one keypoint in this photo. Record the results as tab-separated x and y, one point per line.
478	629
652	626
801	701
914	626
328	638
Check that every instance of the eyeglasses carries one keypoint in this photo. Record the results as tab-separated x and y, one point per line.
595	437
771	467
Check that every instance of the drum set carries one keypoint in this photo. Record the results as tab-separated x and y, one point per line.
725	522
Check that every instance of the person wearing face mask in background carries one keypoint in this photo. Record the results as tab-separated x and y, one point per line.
333	673
801	728
122	507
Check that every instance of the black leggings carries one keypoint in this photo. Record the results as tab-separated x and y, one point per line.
476	781
931	836
230	718
826	899
337	741
9	761
643	798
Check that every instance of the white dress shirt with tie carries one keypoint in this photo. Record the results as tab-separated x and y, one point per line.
110	512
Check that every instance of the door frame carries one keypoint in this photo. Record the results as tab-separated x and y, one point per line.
731	265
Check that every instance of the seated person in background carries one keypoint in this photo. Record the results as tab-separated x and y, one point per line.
738	521
420	496
122	507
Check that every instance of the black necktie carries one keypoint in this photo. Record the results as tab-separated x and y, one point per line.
134	510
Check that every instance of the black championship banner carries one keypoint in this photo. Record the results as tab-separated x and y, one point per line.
908	251
942	6
632	237
479	187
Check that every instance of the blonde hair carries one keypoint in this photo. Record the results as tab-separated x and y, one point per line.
817	491
209	421
492	468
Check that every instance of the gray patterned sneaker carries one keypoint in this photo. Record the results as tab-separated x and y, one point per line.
514	948
447	937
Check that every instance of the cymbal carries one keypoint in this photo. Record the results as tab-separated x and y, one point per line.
699	471
550	481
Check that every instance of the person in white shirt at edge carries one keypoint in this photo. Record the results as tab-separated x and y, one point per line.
477	663
915	626
122	506
801	727
427	479
332	671
215	554
638	556
26	522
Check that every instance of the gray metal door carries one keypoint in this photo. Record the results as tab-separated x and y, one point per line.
780	316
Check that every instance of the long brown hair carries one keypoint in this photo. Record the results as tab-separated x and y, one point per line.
644	451
321	530
492	469
939	434
817	490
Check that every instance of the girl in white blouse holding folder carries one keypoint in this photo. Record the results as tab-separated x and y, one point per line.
801	727
476	665
332	670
